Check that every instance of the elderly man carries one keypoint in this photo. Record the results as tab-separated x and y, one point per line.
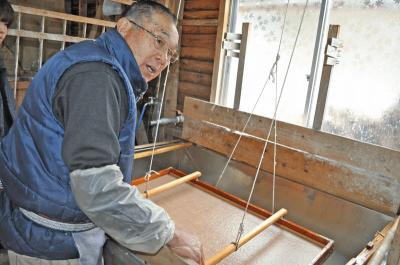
66	163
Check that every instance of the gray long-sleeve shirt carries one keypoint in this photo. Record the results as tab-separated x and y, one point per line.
91	103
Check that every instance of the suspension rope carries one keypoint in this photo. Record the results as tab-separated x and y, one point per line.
241	226
151	171
270	75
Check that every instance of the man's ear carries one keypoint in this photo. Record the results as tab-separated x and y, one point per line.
123	26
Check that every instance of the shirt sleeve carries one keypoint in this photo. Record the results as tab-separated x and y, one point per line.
91	103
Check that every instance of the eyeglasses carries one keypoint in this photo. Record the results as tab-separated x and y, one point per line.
160	43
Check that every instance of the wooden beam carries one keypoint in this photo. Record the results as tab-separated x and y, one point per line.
202	14
244	43
194	90
124	2
44	36
171	94
325	81
200	22
63	16
223	19
370	157
394	252
199	40
83	13
371	247
383	250
369	189
196	66
162	150
199	30
197	78
204	54
202	5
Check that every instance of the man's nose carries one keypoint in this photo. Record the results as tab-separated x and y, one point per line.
163	56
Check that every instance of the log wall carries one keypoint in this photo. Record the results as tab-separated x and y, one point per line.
198	41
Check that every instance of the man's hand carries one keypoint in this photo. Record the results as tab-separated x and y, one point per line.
187	246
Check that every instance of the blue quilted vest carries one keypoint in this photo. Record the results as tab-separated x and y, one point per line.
32	170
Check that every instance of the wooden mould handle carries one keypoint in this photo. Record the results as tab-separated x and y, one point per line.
232	248
172	184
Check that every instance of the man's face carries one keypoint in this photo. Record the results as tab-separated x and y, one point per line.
3	32
144	41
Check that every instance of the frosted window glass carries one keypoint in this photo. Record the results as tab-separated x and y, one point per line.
267	20
364	95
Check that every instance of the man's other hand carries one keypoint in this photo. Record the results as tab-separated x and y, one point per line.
187	246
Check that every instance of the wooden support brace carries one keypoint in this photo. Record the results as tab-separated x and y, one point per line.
172	184
162	150
232	247
386	243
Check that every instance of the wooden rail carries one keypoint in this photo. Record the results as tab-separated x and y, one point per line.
41	35
257	230
170	185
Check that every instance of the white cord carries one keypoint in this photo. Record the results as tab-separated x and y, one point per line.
150	171
270	128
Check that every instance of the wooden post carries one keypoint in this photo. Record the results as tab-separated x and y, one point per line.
394	252
223	20
385	246
162	150
246	29
82	13
232	247
171	95
172	184
330	59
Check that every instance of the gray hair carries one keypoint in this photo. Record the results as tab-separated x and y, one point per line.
145	9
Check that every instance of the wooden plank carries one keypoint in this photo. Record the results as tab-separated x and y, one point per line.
44	36
366	254
223	19
196	66
82	13
369	189
244	43
162	150
200	22
195	90
355	153
197	53
202	14
199	40
394	252
180	101
124	2
202	5
59	15
199	30
171	94
197	78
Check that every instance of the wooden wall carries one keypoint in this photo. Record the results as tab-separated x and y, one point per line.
199	29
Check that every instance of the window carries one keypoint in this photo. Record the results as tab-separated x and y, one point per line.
364	94
266	18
